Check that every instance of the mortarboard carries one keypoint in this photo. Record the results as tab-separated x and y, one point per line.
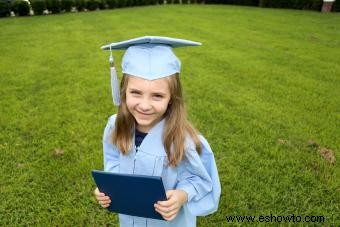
147	57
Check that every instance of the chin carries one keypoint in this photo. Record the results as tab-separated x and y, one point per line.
144	123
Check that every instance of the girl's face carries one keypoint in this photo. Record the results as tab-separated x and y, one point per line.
147	101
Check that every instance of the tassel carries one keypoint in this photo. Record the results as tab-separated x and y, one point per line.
114	82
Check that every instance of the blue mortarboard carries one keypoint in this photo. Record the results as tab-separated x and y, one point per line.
148	57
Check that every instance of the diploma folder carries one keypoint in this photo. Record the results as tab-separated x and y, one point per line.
131	194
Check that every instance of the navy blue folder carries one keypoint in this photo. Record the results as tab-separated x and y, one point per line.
131	194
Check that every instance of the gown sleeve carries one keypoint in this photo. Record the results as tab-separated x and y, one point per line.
198	176
111	154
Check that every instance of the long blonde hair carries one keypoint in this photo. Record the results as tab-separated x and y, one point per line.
177	126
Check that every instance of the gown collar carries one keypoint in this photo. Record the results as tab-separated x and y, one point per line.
154	139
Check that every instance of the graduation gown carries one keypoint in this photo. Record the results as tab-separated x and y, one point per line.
196	174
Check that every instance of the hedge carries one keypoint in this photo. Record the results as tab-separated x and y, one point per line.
67	5
336	6
292	4
38	6
21	7
234	2
111	4
5	8
53	6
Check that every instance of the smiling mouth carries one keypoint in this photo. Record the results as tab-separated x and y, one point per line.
145	114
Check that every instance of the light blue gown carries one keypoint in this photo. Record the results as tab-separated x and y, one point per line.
196	174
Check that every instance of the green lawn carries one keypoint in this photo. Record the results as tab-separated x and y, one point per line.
265	83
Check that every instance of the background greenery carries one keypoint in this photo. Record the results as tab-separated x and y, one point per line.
39	7
263	89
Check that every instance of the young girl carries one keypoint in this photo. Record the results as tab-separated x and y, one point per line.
150	135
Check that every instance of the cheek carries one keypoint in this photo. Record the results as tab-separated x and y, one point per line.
163	107
129	102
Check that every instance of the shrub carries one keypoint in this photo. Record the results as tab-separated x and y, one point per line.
130	3
213	1
38	6
336	6
80	5
141	2
5	8
293	4
121	3
92	4
160	2
21	7
54	6
111	4
250	2
316	5
138	2
67	5
102	4
152	2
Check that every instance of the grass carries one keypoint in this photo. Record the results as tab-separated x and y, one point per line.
264	83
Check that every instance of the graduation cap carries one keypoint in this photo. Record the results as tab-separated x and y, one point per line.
147	57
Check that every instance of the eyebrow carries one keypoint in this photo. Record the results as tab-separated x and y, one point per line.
159	93
154	93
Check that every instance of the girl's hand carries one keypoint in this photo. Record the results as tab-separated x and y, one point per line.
103	200
169	208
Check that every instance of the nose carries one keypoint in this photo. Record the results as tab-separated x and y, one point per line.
144	105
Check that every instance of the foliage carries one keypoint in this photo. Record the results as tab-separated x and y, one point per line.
54	6
21	7
102	4
336	6
67	5
112	3
235	2
130	3
152	2
81	4
293	4
38	6
92	4
5	8
121	3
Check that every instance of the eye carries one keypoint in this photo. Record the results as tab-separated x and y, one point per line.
135	92
158	97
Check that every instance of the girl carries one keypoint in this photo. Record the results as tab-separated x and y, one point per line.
150	135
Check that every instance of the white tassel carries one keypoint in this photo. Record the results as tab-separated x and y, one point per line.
115	87
114	82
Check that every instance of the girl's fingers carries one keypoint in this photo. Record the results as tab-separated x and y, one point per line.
102	199
168	215
98	193
106	206
104	203
167	212
166	203
165	209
